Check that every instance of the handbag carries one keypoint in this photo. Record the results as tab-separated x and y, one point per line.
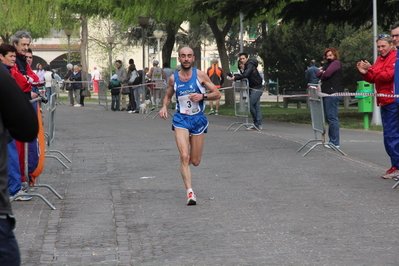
85	92
125	91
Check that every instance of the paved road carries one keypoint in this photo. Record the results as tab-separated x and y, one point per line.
260	202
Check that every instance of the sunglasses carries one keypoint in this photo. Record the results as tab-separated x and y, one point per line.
384	36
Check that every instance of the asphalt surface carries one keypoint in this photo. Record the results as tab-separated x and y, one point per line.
260	202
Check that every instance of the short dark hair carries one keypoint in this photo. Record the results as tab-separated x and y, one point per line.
30	51
6	48
47	68
244	54
166	64
395	25
118	61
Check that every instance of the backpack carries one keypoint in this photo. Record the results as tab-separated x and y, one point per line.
114	86
133	75
115	83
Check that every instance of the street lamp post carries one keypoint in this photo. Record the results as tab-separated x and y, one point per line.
110	40
68	33
158	34
124	43
143	21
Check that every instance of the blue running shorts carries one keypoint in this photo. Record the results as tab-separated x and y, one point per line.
195	124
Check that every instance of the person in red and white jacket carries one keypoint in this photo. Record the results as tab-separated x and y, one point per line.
21	41
382	75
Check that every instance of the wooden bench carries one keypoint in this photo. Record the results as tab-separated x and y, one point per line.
297	100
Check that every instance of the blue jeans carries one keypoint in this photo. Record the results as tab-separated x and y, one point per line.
9	250
390	124
115	102
48	93
137	92
330	105
254	108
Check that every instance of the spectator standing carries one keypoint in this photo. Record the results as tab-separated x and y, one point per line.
18	117
96	76
29	57
21	41
143	74
76	85
216	75
131	107
382	74
68	86
256	88
122	73
331	76
310	74
40	73
29	60
115	87
156	73
84	92
168	71
48	78
8	57
133	79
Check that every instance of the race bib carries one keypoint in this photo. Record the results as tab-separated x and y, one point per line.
187	106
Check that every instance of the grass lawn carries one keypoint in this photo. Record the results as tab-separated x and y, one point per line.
348	118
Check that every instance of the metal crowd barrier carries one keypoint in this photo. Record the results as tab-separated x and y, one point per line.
318	122
102	94
50	134
26	174
242	104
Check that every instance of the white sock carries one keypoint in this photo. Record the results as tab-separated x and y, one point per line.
152	101
189	191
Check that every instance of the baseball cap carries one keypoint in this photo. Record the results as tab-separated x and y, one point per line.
155	62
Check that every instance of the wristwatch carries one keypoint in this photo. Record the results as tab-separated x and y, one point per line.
205	96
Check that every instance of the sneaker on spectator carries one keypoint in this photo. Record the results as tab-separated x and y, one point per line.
254	128
77	105
22	196
191	199
216	112
211	112
391	175
389	172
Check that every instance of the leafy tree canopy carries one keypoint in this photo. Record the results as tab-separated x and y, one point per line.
353	12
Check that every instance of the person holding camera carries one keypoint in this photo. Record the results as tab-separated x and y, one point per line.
255	83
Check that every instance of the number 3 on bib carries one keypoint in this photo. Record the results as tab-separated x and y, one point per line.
188	107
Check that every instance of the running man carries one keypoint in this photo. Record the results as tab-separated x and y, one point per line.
189	122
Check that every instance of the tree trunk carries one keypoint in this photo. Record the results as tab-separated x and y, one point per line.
220	42
83	43
167	48
197	54
265	62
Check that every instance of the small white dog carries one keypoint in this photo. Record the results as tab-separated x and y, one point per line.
144	107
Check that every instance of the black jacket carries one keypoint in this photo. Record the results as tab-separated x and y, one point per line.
76	77
20	119
251	73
